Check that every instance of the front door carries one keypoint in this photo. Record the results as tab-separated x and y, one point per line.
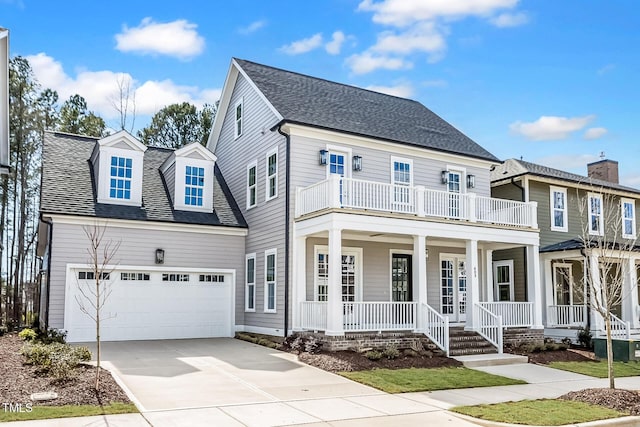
453	288
563	284
454	186
337	163
401	278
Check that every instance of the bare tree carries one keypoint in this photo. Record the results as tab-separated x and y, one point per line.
124	102
608	249
92	299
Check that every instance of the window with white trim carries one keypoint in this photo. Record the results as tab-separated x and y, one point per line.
596	216
239	117
272	175
193	186
558	203
628	207
250	283
252	187
270	283
120	177
402	177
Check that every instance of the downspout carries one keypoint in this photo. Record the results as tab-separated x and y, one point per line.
587	297
287	215
524	249
49	245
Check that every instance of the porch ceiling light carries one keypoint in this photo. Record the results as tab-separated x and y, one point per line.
357	163
159	256
322	158
471	181
445	177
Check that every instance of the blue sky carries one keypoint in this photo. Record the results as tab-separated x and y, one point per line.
553	82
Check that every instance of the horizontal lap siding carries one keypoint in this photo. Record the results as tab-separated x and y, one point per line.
266	220
137	248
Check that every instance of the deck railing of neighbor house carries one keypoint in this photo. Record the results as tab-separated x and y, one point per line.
514	314
619	328
489	326
566	315
435	326
314	315
336	192
379	316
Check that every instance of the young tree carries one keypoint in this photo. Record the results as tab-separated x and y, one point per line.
76	118
177	125
92	299
608	250
124	102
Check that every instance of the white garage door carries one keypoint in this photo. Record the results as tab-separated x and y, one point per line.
145	305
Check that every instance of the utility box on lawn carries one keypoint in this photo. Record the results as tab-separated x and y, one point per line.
623	350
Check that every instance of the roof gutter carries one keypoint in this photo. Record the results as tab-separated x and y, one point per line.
287	215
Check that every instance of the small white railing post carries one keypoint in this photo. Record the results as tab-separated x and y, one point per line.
471	213
420	210
334	191
534	214
298	201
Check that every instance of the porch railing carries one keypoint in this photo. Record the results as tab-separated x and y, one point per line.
436	327
379	316
313	315
619	328
566	315
336	192
514	314
489	326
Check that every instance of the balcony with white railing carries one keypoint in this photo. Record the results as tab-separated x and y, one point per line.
348	193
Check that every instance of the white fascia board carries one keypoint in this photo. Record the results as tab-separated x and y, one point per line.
199	148
147	225
396	148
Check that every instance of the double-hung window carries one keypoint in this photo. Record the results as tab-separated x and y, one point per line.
120	178
193	186
239	118
558	205
402	179
596	217
272	175
250	284
628	207
252	195
270	281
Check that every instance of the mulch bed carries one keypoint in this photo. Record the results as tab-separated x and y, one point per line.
620	400
18	381
352	361
570	355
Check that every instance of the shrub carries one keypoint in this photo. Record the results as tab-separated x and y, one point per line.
82	353
267	343
58	359
3	330
373	355
566	341
584	337
28	334
295	343
312	345
390	352
52	335
409	352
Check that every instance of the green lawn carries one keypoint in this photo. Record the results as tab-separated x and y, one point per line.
408	380
48	412
540	412
599	369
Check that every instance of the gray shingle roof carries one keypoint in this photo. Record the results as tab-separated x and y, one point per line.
512	168
321	103
68	187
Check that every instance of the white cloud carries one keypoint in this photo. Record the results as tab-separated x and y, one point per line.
367	62
435	83
606	69
335	45
424	37
402	13
402	90
177	38
631	180
595	133
505	20
99	88
568	161
252	28
548	128
303	46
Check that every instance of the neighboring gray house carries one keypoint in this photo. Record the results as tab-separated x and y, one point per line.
366	213
567	205
181	235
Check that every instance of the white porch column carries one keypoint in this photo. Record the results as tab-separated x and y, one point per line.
488	266
547	273
473	284
597	322
534	285
630	293
334	299
420	274
299	288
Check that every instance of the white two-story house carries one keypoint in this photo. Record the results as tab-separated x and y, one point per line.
366	213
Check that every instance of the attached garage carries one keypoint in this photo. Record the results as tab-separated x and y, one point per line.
152	304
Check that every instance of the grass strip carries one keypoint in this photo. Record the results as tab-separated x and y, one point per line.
66	411
599	369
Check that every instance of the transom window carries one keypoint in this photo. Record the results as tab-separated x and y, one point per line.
250	302
175	277
193	186
90	275
120	178
251	185
558	209
134	276
270	281
272	175
215	278
628	218
596	218
239	112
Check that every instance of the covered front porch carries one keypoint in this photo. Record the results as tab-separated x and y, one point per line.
366	273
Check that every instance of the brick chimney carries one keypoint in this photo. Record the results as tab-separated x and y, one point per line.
606	170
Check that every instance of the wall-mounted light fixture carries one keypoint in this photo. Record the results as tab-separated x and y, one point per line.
471	181
426	252
322	157
159	256
445	177
357	163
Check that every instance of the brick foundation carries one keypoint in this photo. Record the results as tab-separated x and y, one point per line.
517	336
373	340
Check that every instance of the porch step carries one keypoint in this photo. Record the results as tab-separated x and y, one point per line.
462	343
478	360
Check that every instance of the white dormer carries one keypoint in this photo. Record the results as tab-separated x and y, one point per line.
188	173
117	167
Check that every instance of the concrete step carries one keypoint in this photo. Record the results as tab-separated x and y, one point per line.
477	360
471	351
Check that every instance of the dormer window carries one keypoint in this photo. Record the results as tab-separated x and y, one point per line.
120	182
239	114
194	186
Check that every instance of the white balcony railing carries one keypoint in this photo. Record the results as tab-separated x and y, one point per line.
619	328
436	327
566	315
336	192
313	316
514	314
489	326
379	316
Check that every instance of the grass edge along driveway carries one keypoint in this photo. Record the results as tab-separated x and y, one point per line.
67	411
427	379
599	369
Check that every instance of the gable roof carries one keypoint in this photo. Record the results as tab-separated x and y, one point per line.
311	101
68	187
513	168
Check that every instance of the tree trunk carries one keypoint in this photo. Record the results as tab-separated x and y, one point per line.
98	273
607	323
